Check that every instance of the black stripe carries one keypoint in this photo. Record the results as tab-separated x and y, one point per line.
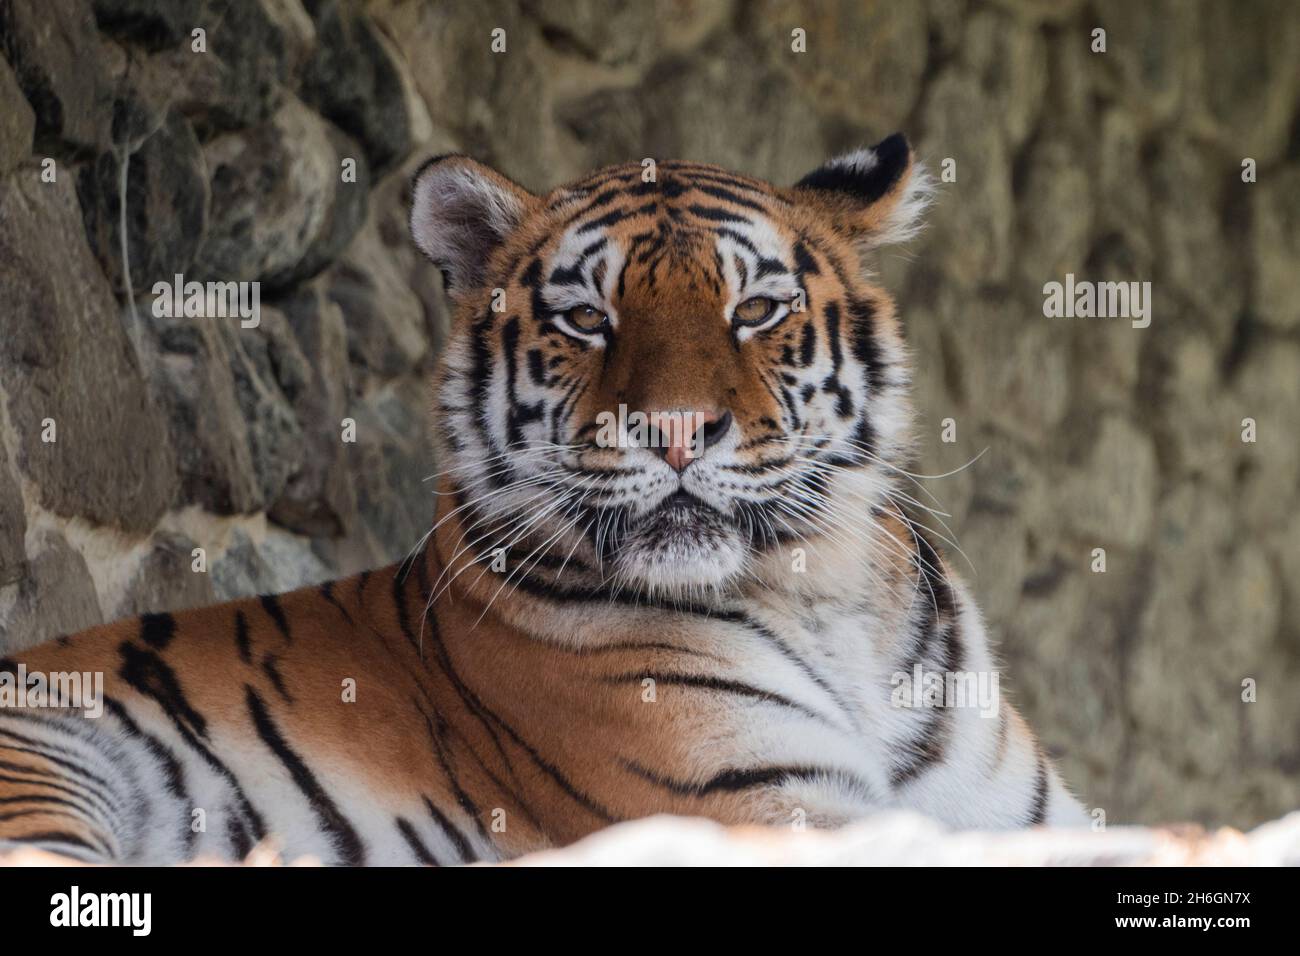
272	671
413	841
148	674
241	638
59	836
347	842
271	604
157	630
174	772
1038	810
467	854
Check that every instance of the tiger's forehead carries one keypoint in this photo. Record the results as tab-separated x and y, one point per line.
673	216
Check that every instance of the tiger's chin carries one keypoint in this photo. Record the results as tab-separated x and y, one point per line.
681	549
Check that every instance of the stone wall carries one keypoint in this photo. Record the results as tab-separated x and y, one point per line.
175	434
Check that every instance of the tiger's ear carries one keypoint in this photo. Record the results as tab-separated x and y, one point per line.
461	211
876	195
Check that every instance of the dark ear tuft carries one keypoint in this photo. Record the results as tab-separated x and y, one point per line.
461	211
877	194
867	174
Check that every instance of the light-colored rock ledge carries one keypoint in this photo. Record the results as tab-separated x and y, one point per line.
890	839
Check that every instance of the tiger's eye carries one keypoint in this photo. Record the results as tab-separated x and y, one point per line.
586	319
753	311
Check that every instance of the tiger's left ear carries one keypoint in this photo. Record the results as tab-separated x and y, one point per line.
875	195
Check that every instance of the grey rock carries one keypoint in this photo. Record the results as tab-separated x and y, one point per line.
232	425
1055	219
498	105
165	579
239	570
13	525
1150	57
357	79
56	597
1109	499
389	462
17	121
70	360
262	359
1251	86
154	24
279	208
54	50
864	61
166	206
319	498
954	124
1275	245
1007	60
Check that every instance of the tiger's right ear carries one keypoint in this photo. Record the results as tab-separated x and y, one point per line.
461	211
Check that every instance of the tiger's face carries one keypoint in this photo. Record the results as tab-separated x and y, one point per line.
670	368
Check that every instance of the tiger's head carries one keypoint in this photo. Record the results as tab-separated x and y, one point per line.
667	371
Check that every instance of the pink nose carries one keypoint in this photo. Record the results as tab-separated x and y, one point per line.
682	435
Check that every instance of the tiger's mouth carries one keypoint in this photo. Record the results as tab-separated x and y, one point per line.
680	545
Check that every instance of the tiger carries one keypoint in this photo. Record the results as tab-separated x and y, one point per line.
716	608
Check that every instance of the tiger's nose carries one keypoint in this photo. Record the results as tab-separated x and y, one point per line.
681	437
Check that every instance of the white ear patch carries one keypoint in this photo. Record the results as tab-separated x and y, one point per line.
907	218
460	211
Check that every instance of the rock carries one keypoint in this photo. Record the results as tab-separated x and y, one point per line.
1250	83
611	33
1048	11
13	525
239	571
17	121
165	579
1266	387
498	105
150	23
319	498
1108	501
261	360
864	60
1275	246
255	52
1150	56
1055	219
386	329
389	462
1025	390
54	49
279	208
1189	247
1122	207
291	560
56	597
357	79
234	430
70	361
979	203
677	113
1007	60
166	203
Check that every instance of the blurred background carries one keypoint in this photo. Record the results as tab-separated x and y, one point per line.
126	157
